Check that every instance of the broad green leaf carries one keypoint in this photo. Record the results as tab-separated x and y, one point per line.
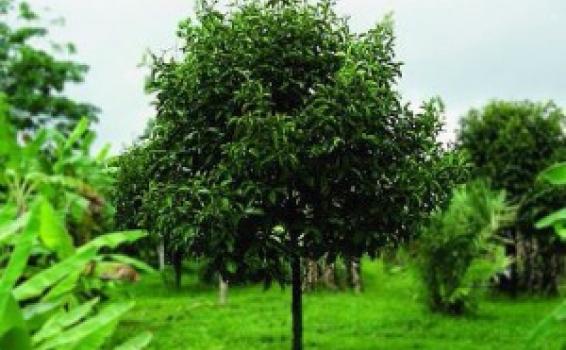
7	213
65	286
551	219
37	314
32	310
95	340
37	284
19	258
138	342
101	156
11	227
113	240
560	230
555	174
138	264
71	337
63	320
53	233
13	330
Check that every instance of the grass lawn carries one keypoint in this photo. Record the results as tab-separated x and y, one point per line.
387	315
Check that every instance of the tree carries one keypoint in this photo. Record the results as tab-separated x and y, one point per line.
279	136
32	78
510	143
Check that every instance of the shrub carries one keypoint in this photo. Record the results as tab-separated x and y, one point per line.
459	250
49	285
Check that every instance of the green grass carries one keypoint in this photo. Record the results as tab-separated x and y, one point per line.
388	315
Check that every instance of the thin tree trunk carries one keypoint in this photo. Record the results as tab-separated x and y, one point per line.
222	290
161	254
311	279
329	276
178	267
356	275
297	302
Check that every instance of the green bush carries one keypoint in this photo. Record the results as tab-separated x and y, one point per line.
48	281
554	175
459	250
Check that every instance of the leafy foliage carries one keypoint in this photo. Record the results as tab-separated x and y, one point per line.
32	78
45	277
44	319
278	116
459	250
556	175
63	170
509	144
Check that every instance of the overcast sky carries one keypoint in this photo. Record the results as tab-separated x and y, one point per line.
466	51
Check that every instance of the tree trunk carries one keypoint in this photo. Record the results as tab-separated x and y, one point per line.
297	302
161	254
222	290
356	275
178	267
311	276
329	276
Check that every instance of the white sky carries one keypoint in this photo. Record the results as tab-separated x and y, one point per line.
466	51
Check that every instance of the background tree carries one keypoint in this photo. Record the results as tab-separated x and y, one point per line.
510	143
32	78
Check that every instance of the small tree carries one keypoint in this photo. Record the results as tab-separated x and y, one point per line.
459	251
510	143
280	137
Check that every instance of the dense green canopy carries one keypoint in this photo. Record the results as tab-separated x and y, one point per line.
279	135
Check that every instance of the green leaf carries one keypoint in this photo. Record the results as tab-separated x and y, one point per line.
73	336
555	174
62	320
37	284
65	286
136	343
560	230
13	330
53	233
38	313
9	228
113	240
551	219
19	258
95	340
138	264
101	156
77	133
